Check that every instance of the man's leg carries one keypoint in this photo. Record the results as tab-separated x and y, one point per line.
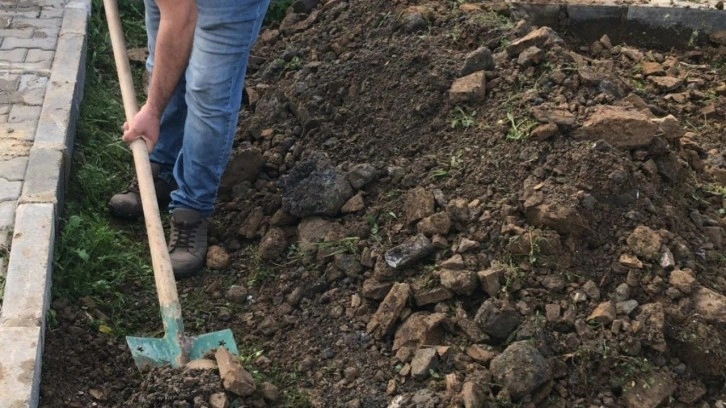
127	204
225	33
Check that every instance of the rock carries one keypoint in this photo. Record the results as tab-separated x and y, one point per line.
669	127
472	395
480	59
423	361
521	369
650	391
560	117
461	282
626	307
466	245
410	251
630	261
490	280
348	264
633	54
481	354
311	231
374	289
361	175
234	377
471	330
436	224
425	296
414	23
652	319
622	293
645	242
719	37
530	56
218	400
420	329
497	319
270	392
543	37
244	165
544	132
710	305
666	83
652	68
314	187
252	223
619	126
690	392
555	283
458	209
384	319
217	258
273	244
419	204
471	88
201	364
281	218
456	263
682	280
603	314
355	204
591	290
237	293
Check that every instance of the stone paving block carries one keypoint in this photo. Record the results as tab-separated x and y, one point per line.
23	23
51	12
5	109
10	43
16	32
8	83
32	89
10	148
44	177
9	190
16	55
18	131
23	113
75	19
3	118
38	60
27	287
13	168
20	11
22	351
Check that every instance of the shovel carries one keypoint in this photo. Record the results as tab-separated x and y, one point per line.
175	348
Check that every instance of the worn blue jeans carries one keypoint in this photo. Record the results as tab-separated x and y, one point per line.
199	123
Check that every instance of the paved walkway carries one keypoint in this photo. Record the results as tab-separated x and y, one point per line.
42	63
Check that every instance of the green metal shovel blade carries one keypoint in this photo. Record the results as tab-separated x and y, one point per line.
151	352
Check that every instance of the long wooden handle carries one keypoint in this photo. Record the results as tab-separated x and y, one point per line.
163	273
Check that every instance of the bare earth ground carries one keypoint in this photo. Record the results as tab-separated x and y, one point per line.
547	231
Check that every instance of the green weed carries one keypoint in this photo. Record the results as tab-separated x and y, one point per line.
519	129
276	11
461	119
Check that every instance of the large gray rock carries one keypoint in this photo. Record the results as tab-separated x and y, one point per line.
521	369
315	187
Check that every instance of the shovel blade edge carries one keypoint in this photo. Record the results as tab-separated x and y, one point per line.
204	343
152	352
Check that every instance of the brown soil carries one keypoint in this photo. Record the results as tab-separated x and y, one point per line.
574	252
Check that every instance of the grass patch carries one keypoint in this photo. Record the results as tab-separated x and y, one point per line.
276	11
93	258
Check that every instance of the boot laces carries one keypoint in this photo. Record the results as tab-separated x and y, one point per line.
184	235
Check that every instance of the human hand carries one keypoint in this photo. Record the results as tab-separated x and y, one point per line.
144	125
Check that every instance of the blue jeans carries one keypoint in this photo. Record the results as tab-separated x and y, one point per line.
200	121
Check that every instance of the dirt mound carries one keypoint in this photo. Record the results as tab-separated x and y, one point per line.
434	205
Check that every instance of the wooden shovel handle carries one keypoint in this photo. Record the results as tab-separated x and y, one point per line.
163	273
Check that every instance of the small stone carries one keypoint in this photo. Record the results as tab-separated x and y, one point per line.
591	290
630	261
234	377
456	263
361	175
666	83
471	88
667	260
603	314
481	354
273	244
472	395
423	361
553	312
270	392
201	364
497	319
490	280
218	400
466	245
392	387
350	374
652	68
390	309
354	204
480	59
709	304
462	282
682	280
530	56
409	252
436	224
645	242
217	258
544	132
650	391
521	369
626	307
555	283
622	293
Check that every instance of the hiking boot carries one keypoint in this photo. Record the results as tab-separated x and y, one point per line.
187	242
127	204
